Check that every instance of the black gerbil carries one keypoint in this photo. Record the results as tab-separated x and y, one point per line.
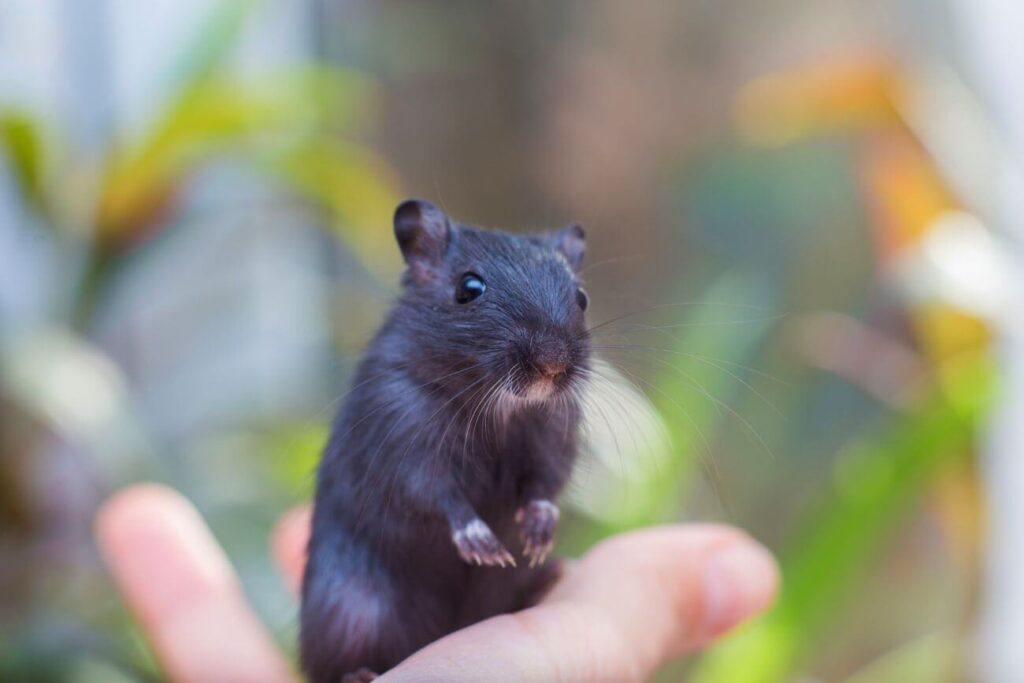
446	457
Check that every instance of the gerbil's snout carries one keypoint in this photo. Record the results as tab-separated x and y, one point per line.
543	365
552	369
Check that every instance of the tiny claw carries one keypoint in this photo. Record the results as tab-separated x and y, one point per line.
537	556
477	544
538	519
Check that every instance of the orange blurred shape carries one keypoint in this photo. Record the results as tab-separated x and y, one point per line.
131	210
944	331
904	191
860	94
846	93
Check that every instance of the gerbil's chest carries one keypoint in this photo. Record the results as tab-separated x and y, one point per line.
502	460
495	467
495	491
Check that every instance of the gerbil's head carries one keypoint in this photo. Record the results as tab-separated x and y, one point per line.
507	310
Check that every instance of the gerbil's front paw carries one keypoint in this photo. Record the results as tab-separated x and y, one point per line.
361	676
538	519
477	544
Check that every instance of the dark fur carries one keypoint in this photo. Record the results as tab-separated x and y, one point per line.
413	456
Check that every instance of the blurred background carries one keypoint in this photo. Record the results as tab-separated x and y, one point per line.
807	214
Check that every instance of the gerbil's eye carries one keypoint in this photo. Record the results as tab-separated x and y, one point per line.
470	287
582	299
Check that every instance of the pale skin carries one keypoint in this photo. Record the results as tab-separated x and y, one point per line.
629	605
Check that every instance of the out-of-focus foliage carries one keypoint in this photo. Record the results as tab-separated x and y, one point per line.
876	480
294	125
281	126
71	404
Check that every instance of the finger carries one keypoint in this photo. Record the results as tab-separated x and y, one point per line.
629	605
288	544
182	590
674	588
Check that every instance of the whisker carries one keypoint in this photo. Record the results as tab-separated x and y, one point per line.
700	359
607	261
659	307
707	461
635	380
721	404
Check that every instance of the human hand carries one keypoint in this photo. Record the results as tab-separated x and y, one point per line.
630	604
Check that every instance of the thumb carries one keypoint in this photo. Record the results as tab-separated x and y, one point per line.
629	605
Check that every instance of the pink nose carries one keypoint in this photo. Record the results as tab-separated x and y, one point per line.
551	369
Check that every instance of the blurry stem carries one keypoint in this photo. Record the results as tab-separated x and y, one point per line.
99	265
925	658
868	358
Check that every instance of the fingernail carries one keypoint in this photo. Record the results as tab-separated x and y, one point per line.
741	581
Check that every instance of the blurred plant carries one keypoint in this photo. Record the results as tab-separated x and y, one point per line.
877	479
64	394
295	125
941	391
936	393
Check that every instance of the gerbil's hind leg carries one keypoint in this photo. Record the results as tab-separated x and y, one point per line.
362	676
346	619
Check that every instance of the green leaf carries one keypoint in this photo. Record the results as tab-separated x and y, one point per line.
876	481
280	123
354	185
22	143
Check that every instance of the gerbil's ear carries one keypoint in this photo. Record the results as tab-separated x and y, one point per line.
423	232
571	241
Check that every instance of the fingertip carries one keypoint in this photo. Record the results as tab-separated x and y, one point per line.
684	585
151	535
288	543
741	580
124	509
144	522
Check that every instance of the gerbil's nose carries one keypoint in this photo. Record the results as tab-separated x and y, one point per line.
551	369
